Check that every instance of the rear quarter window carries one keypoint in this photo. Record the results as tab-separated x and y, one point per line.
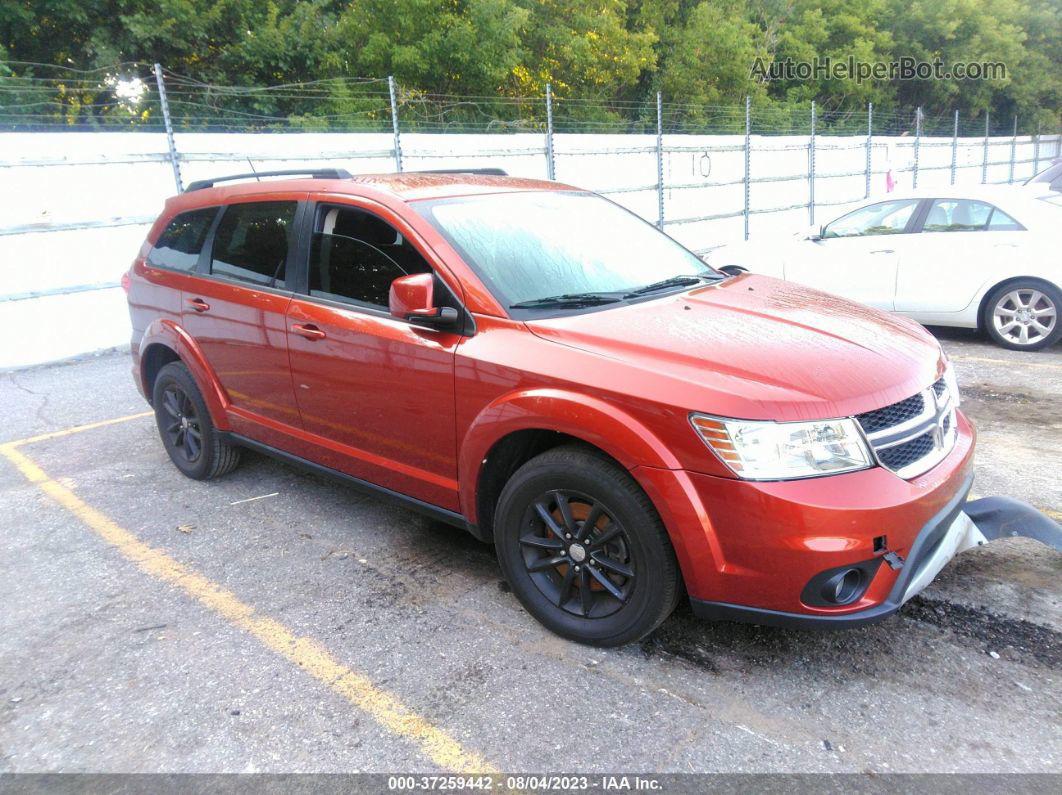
181	241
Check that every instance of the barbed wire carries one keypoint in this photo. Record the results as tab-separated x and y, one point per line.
124	96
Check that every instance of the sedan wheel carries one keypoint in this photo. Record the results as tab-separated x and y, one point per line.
1024	316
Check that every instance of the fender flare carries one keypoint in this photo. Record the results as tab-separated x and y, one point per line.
167	333
586	418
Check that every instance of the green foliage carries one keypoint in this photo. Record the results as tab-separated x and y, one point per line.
470	64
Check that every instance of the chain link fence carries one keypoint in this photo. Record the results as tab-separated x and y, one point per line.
88	157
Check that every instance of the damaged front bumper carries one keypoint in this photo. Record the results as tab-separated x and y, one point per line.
961	525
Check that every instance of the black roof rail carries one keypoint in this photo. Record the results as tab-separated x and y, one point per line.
317	173
490	172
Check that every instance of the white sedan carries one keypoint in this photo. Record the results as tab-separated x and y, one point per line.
975	257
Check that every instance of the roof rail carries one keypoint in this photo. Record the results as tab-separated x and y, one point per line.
490	172
318	173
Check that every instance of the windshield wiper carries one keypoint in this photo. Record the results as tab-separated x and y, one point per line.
569	299
675	281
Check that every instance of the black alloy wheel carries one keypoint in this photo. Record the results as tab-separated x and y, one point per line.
584	549
577	554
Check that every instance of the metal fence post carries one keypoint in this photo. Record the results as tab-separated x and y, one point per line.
1036	151
811	169
1013	151
870	144
954	146
550	166
917	145
984	161
660	158
748	158
169	128
394	123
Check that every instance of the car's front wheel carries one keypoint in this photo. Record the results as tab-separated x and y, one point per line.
1023	316
584	550
188	434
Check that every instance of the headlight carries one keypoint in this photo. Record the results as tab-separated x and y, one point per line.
756	450
952	384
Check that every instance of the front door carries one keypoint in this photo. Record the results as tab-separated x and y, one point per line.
236	312
376	393
858	254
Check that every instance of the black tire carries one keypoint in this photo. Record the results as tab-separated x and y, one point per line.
1007	321
184	423
572	597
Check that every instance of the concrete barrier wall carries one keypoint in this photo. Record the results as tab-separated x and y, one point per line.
74	207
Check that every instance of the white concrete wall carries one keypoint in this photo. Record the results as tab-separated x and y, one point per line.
57	178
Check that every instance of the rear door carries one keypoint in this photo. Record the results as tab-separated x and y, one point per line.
236	311
377	393
858	253
961	244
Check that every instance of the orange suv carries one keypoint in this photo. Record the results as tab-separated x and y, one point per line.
532	362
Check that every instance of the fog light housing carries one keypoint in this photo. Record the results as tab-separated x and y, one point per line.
840	586
843	587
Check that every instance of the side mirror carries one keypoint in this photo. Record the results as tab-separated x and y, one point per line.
815	233
412	298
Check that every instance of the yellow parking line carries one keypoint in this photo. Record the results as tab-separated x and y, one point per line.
78	429
384	707
1010	362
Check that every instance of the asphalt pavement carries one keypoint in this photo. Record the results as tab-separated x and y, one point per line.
276	621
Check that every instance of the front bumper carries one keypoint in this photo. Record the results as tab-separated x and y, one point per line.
748	550
960	526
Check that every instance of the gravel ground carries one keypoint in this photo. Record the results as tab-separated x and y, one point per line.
106	668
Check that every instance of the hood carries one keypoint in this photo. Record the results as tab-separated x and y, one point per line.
754	347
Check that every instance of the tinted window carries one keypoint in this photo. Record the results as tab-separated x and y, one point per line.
179	244
355	256
884	218
967	215
251	243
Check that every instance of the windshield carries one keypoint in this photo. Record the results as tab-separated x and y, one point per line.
545	245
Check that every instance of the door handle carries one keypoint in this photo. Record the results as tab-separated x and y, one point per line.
884	251
309	331
198	304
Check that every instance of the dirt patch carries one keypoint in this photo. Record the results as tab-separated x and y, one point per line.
991	403
997	633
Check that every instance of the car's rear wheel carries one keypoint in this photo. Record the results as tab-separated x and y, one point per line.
1024	316
584	550
188	434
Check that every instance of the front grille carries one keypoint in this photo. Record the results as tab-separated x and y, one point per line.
880	419
907	453
910	437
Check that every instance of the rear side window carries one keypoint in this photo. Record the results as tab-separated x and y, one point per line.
251	242
967	215
179	244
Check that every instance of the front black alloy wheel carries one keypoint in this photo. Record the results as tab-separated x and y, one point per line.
584	549
188	434
577	554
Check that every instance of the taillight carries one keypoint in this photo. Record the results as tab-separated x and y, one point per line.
126	281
